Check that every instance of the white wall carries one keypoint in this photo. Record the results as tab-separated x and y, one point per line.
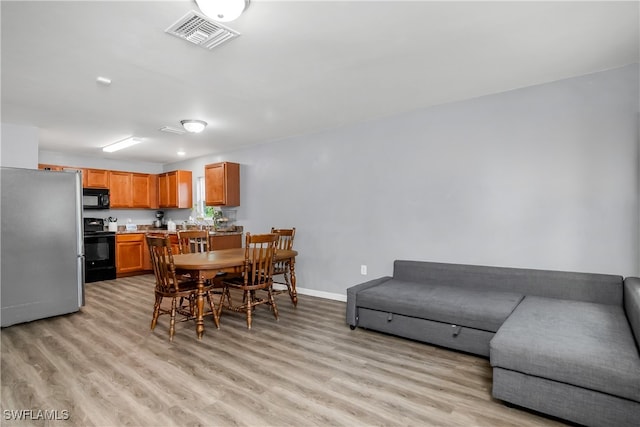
65	159
18	146
541	177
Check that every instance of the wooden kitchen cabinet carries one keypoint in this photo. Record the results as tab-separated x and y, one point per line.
225	241
129	253
222	184
96	178
173	238
133	190
120	189
175	246
175	189
144	190
146	256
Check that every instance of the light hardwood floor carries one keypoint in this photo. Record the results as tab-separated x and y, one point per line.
106	368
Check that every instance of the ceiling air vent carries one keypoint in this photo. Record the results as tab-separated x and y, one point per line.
202	31
169	129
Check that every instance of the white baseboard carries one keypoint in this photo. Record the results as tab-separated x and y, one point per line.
322	294
314	293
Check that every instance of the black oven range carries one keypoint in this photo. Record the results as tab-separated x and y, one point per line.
99	251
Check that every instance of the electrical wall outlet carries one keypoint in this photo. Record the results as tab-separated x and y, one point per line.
363	270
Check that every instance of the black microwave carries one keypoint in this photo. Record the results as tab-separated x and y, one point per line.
95	198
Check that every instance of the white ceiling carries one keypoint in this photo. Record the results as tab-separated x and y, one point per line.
298	67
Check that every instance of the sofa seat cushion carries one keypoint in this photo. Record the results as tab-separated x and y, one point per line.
583	344
485	310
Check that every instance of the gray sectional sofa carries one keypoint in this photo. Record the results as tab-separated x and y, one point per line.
561	343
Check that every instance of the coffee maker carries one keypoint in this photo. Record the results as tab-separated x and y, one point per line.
159	222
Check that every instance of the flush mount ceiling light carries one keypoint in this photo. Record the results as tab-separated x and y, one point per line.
122	144
193	126
222	10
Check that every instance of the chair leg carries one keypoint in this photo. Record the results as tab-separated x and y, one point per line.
172	324
221	302
272	302
227	293
287	273
192	305
248	300
156	311
214	312
252	299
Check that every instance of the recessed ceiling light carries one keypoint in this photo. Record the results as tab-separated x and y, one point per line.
103	81
181	153
125	143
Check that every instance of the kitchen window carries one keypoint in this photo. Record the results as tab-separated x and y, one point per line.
202	211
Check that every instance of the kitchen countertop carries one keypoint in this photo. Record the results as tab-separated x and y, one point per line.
164	231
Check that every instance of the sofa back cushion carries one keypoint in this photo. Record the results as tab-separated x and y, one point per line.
632	305
587	287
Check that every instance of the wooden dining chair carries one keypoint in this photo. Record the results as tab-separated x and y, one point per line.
283	267
257	274
192	241
170	285
195	241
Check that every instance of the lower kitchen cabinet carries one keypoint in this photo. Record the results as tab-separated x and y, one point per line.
173	238
146	256
130	250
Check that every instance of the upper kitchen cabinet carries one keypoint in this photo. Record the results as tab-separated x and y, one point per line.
95	178
175	189
144	193
133	190
222	184
120	189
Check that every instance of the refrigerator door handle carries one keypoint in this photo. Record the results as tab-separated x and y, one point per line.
81	281
79	216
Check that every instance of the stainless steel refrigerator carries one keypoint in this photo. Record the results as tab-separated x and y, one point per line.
41	244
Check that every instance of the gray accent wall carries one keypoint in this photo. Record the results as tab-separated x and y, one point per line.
539	177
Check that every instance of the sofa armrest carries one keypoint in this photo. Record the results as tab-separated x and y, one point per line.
352	309
632	305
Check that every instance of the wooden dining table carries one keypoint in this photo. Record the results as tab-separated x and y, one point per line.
206	265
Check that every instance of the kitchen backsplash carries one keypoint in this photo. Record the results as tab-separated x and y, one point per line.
139	216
